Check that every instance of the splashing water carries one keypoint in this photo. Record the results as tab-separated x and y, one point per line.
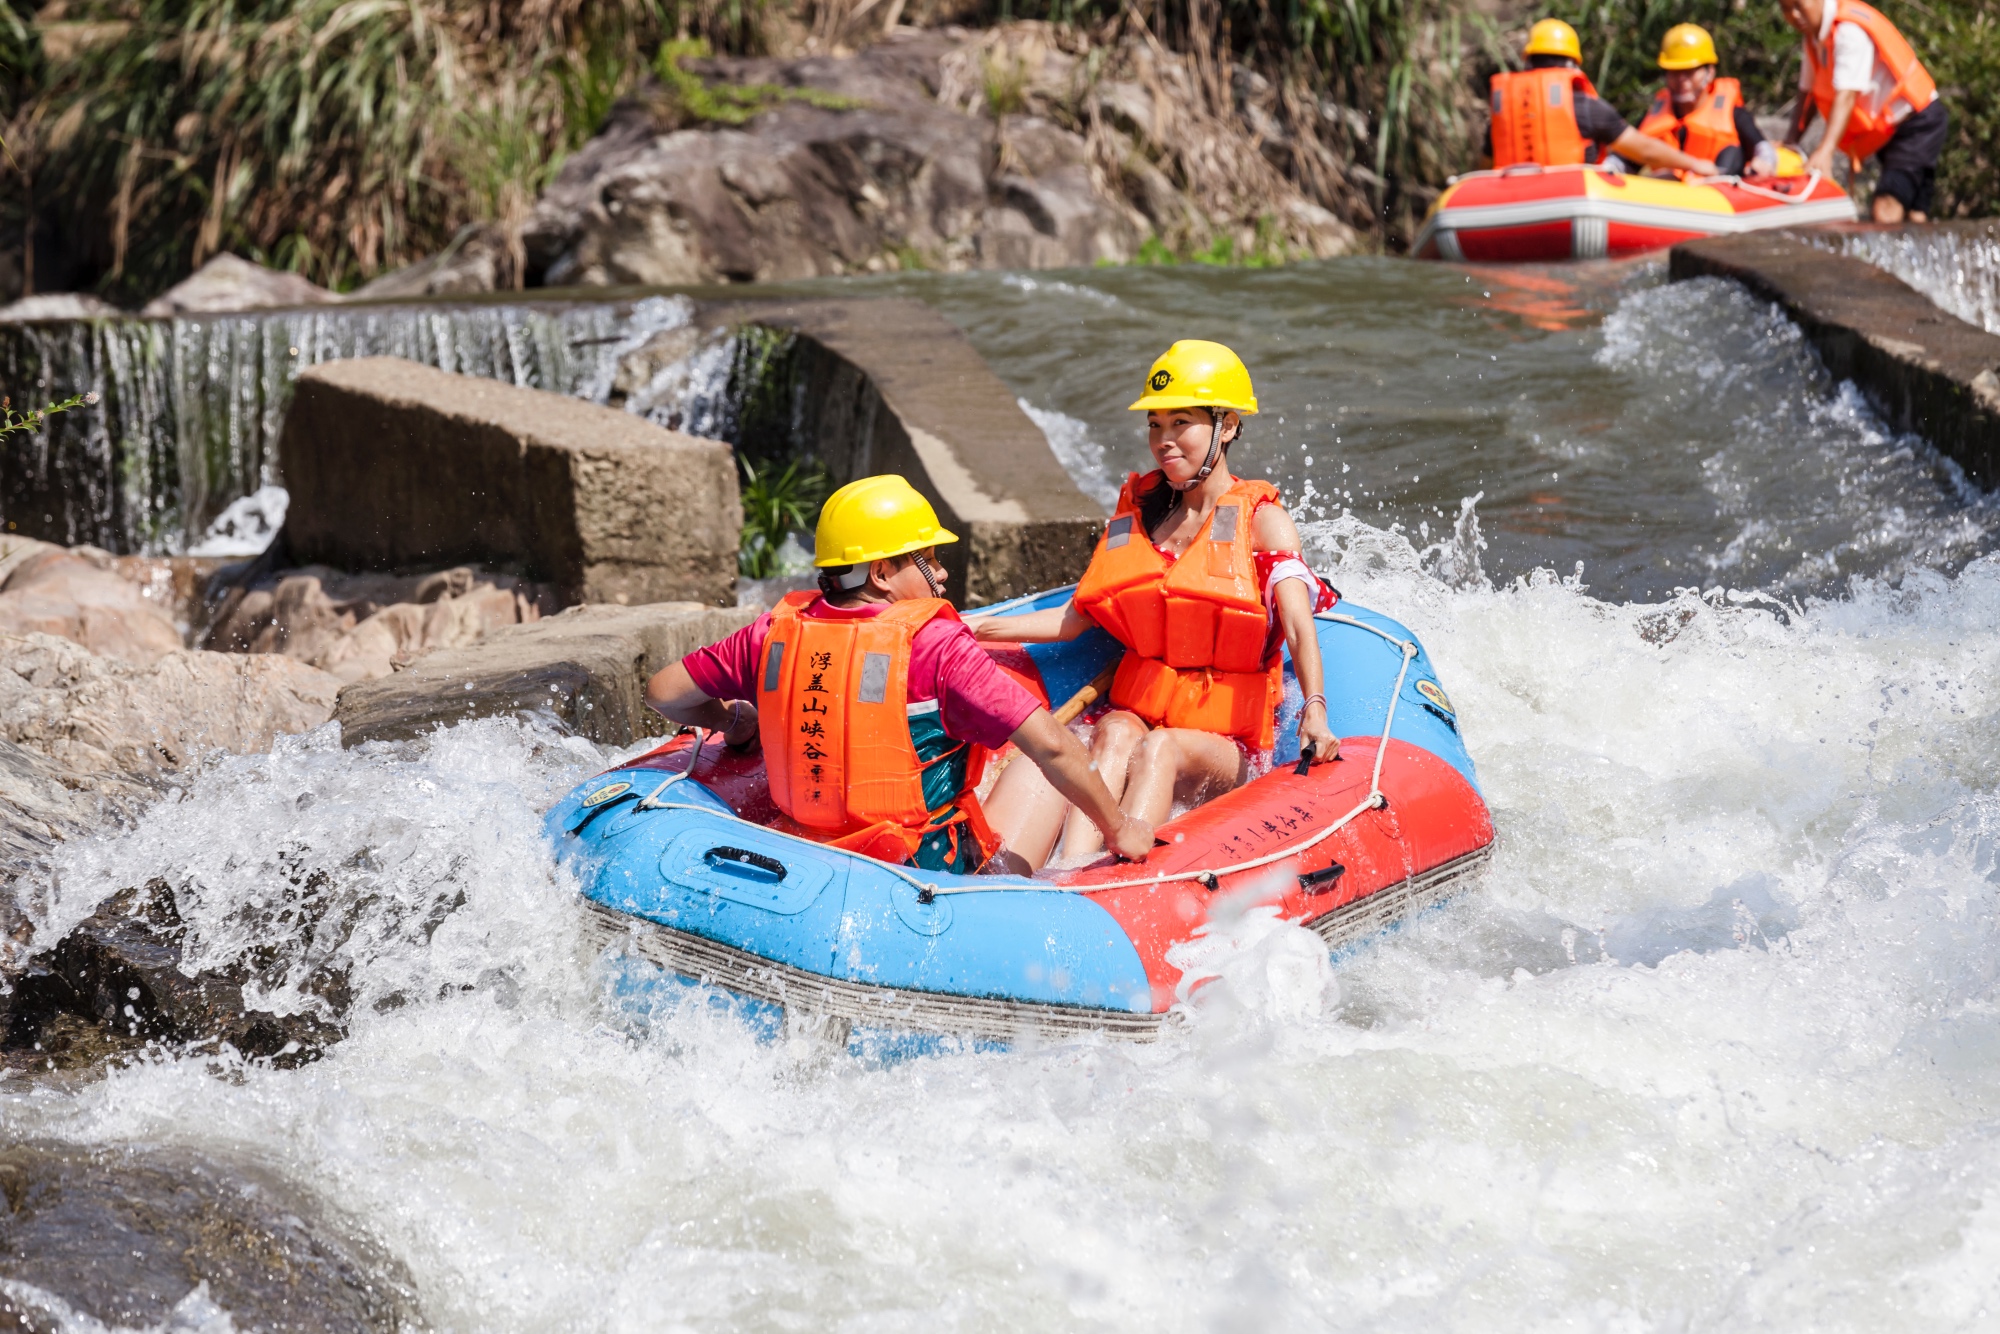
1715	1044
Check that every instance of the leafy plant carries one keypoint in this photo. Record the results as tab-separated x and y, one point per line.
777	501
12	422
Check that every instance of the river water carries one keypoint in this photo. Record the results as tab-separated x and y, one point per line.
1715	1044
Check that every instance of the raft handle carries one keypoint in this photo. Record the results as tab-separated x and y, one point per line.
1318	882
743	857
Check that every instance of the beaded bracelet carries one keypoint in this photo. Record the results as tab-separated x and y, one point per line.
1309	701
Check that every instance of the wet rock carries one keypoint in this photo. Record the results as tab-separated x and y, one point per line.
99	715
227	283
76	594
871	174
359	627
116	981
481	258
58	306
393	465
164	1238
586	669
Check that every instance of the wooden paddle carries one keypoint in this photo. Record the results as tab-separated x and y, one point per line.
1087	696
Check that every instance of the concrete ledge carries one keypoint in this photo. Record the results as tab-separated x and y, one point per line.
392	464
1925	370
892	386
586	668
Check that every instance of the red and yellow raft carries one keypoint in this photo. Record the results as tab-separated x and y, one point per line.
1528	212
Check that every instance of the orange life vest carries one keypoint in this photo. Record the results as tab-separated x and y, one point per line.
1534	117
1872	123
834	719
1710	127
1194	629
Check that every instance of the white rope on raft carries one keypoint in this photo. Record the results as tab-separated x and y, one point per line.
928	890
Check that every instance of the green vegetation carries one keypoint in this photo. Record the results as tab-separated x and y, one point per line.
12	422
725	103
336	138
341	138
777	501
1266	252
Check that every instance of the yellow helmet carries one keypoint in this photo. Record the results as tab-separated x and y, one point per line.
1553	37
874	519
1197	374
1687	46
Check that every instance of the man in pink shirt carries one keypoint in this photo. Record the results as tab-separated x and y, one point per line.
869	698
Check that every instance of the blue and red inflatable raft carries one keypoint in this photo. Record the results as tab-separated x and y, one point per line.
681	869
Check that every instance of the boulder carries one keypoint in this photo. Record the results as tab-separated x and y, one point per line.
152	1238
585	669
79	596
227	283
867	172
481	258
359	627
118	980
394	465
100	715
58	306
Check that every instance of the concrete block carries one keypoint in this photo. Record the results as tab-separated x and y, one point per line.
1925	370
893	386
587	668
391	464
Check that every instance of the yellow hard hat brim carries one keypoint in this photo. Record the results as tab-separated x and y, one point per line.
938	538
1168	402
1693	62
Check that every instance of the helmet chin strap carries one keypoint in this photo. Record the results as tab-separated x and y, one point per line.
1208	464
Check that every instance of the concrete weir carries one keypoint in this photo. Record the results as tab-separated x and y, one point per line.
1924	369
892	386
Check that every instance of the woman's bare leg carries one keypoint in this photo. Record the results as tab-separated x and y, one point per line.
1112	749
1179	761
1026	811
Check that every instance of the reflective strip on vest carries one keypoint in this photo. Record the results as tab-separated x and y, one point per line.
833	716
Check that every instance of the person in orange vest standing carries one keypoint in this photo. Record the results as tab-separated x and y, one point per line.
873	705
1550	114
1199	575
1877	99
1703	115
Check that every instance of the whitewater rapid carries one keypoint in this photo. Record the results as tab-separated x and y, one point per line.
1714	1044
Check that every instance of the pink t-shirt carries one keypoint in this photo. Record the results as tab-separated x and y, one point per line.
977	702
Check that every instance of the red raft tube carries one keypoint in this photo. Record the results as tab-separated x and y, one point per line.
679	865
1532	213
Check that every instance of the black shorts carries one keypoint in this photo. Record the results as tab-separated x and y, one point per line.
1909	159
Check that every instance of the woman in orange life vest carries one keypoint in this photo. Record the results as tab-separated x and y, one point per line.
1176	579
873	705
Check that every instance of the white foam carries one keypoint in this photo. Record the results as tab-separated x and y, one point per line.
247	526
1716	1044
